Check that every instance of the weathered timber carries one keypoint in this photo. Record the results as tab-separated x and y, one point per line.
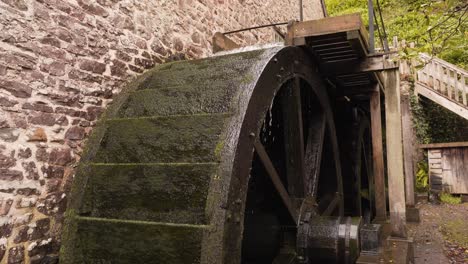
408	149
377	153
441	100
443	83
396	184
223	43
373	63
448	167
329	25
438	146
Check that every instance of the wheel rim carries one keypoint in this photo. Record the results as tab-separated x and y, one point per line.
287	166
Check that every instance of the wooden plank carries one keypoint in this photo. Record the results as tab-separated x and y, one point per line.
464	89
377	155
435	155
328	25
396	184
359	45
455	85
369	64
443	145
458	109
455	170
223	43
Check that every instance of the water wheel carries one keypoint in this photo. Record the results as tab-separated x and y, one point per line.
219	160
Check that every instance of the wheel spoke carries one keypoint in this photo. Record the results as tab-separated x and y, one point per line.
294	138
313	153
275	179
332	205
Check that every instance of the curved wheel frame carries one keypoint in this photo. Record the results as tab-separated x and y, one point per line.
303	158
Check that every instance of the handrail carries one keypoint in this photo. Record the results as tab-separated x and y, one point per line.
425	56
444	78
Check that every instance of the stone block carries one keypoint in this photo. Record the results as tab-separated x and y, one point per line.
10	175
38	106
412	214
16	88
9	134
93	66
59	156
371	235
16	255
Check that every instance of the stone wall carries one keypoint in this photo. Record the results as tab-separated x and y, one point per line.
61	62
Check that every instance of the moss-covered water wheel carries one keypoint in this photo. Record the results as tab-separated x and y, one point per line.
208	161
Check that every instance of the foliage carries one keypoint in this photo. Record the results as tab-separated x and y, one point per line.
422	176
450	199
420	123
439	28
443	125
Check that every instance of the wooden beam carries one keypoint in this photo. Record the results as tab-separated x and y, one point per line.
444	145
408	149
377	155
328	25
396	183
434	96
223	43
369	64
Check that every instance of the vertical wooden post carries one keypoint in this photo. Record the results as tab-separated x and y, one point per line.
377	155
396	184
408	149
370	12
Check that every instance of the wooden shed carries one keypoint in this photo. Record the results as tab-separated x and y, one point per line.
448	167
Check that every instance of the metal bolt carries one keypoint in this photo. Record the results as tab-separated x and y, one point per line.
238	201
275	59
252	134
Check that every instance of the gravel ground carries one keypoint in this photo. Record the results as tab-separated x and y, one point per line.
442	235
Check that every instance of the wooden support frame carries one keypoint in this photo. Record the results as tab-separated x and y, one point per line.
376	63
442	100
408	150
396	183
377	155
298	31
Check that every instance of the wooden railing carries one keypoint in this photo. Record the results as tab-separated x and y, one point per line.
444	78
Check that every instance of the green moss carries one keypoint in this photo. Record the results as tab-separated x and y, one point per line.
456	231
449	199
111	241
129	191
219	149
169	139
